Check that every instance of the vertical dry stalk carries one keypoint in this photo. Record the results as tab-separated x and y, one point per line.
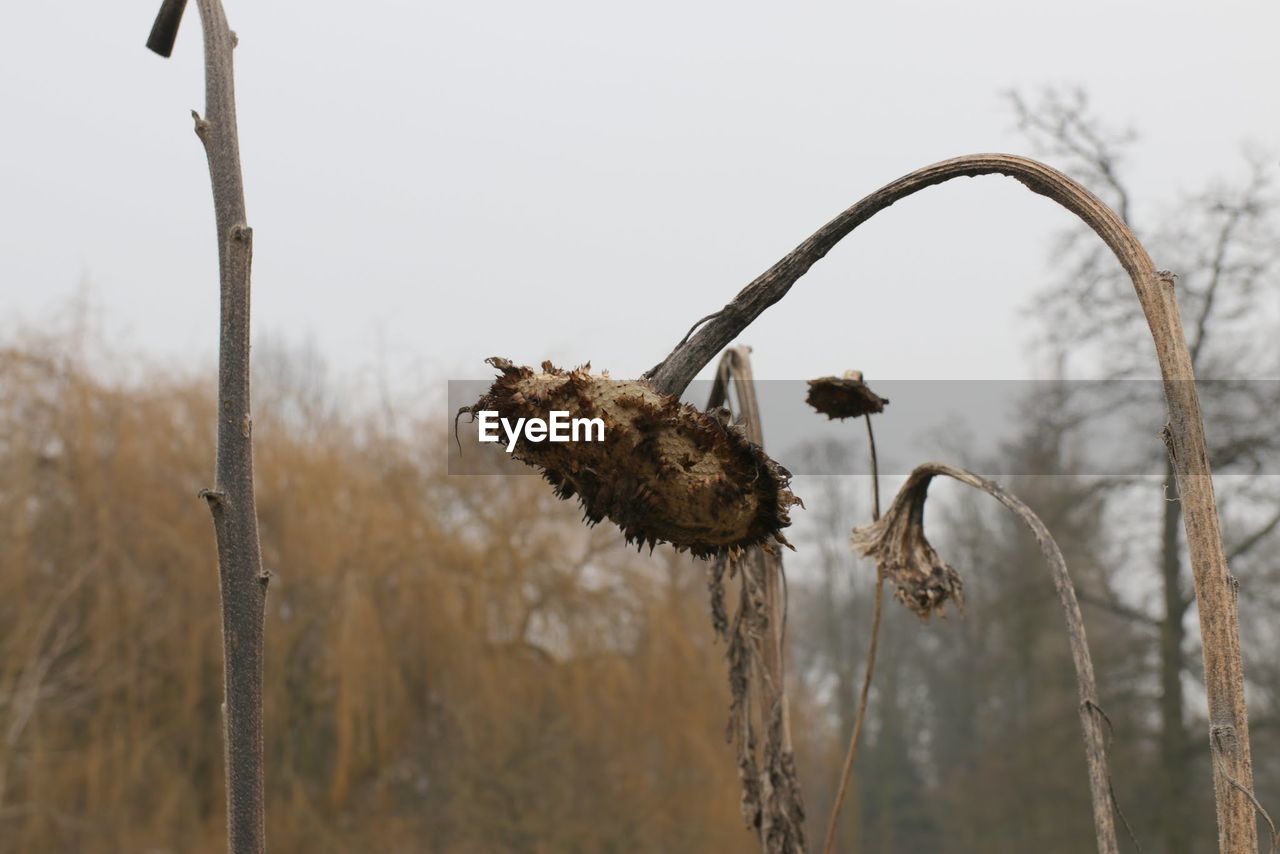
851	753
231	500
897	542
775	789
1183	435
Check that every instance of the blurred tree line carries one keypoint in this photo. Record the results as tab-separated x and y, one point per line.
457	664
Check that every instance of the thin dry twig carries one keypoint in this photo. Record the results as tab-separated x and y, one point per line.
1257	805
875	470
851	755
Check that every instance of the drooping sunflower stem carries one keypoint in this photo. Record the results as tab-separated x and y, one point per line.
1184	434
903	555
849	397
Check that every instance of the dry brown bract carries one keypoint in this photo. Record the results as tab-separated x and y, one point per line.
925	582
665	472
844	397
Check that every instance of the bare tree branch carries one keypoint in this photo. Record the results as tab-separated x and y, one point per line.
1220	247
1118	609
1255	537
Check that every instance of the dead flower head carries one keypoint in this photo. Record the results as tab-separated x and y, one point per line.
925	582
665	472
844	397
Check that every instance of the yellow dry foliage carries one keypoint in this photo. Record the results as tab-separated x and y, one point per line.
453	663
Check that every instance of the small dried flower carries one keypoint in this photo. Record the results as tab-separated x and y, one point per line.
925	582
665	472
844	397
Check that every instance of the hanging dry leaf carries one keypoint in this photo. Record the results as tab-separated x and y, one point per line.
925	582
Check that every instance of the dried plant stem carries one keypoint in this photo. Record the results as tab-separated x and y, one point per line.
231	500
781	810
1184	434
875	471
851	755
165	30
900	537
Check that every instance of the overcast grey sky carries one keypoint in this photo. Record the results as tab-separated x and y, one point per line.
434	183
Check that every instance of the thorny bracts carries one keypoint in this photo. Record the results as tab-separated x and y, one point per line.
844	397
666	471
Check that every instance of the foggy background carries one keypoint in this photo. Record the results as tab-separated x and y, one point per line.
431	184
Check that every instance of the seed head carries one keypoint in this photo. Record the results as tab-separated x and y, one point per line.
666	471
844	397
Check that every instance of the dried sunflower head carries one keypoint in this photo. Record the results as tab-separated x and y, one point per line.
665	471
924	581
844	397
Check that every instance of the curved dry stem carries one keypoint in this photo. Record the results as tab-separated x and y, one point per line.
1184	434
674	373
904	522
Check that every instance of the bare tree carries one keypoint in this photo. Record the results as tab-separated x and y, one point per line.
231	500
